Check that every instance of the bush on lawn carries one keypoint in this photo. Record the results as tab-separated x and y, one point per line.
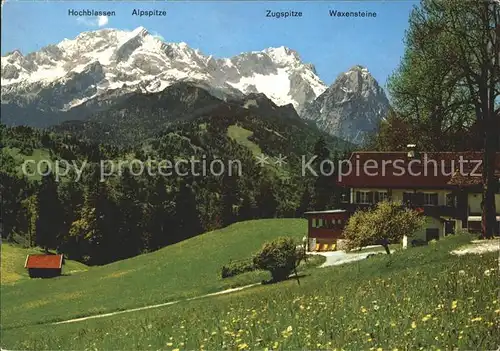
387	223
234	268
280	257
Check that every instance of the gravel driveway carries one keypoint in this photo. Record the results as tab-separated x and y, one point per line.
335	258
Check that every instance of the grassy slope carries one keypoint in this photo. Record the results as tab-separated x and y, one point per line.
37	155
420	298
13	259
189	268
241	135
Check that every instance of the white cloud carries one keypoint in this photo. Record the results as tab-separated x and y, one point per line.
102	20
99	21
158	36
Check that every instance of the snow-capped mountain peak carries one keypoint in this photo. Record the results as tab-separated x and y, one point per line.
351	107
73	71
283	55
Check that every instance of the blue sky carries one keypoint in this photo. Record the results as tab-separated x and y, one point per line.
228	28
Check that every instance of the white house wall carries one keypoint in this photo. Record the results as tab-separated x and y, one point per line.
430	223
475	199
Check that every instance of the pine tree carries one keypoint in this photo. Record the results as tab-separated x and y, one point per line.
323	184
71	194
266	200
186	213
247	209
305	202
229	199
130	225
161	216
50	213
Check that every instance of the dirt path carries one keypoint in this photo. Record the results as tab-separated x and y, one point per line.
333	258
223	292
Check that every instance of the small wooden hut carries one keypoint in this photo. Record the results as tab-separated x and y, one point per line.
44	266
325	228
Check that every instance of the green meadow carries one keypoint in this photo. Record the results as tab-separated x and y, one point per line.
420	298
14	257
187	269
241	135
36	156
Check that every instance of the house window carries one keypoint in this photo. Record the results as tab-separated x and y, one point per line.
345	196
364	197
407	198
330	223
381	196
451	200
430	199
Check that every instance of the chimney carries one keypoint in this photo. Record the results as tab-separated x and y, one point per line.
411	150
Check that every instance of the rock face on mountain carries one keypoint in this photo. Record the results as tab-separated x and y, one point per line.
103	64
351	107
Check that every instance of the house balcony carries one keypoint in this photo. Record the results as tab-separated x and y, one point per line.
432	211
440	211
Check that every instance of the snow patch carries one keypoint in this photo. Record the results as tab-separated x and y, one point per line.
275	86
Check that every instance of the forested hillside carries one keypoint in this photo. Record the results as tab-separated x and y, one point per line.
97	222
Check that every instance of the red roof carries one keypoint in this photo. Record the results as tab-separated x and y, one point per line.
392	170
43	261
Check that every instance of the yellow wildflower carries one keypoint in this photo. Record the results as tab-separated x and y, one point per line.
413	325
287	332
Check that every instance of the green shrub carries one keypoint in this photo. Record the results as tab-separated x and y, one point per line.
387	223
280	257
237	267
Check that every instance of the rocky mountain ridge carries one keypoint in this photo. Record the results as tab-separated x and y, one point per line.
351	107
97	70
62	76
